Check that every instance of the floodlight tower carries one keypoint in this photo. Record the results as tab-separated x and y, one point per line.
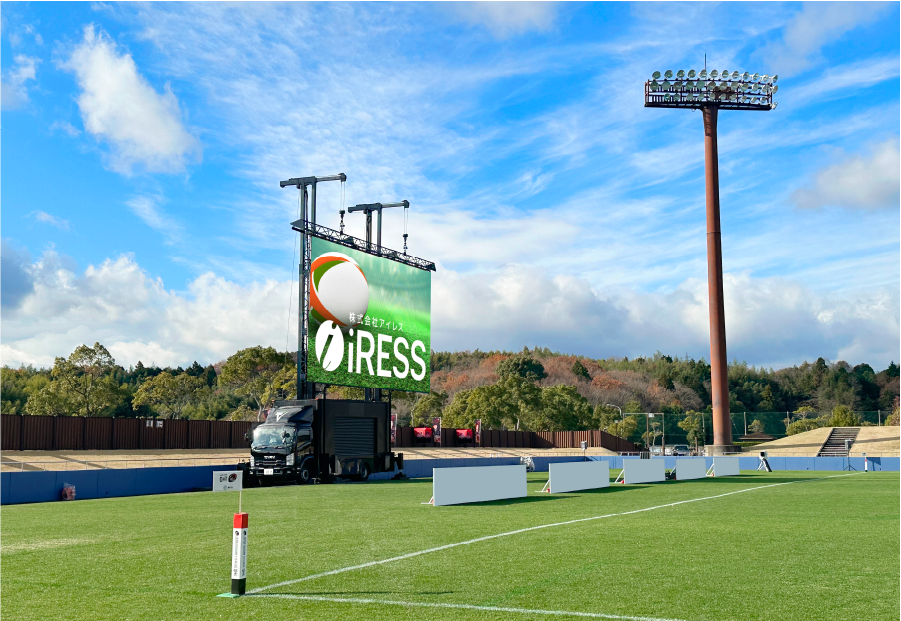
305	225
708	93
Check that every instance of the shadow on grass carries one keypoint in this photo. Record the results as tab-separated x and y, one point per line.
600	490
512	501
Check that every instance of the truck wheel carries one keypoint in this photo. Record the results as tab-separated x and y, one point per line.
304	476
364	472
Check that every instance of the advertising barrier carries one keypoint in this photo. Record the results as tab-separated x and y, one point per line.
455	486
690	468
643	471
575	476
725	466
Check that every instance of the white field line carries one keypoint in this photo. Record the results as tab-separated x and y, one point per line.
526	530
524	611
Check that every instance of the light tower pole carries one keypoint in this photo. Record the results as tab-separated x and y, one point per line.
709	93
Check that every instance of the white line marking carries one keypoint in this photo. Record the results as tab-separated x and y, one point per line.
525	611
525	530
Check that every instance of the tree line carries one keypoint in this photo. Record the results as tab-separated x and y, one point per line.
535	389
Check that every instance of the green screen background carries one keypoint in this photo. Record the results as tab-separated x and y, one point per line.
398	293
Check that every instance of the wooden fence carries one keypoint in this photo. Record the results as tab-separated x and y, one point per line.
76	433
494	438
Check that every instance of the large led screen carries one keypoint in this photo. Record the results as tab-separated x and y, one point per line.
370	320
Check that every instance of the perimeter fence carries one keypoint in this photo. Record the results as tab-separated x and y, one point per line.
81	433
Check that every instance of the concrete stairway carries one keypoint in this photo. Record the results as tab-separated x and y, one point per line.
835	443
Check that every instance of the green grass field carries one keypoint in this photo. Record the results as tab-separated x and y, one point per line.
819	549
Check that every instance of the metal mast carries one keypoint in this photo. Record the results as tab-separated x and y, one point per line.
368	208
304	388
708	93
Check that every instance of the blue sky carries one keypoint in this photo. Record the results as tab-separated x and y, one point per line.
142	147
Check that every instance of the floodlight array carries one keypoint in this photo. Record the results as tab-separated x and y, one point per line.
695	89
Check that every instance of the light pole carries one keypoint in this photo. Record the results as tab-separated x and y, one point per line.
708	93
622	419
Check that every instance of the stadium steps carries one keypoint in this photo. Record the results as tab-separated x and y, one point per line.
835	443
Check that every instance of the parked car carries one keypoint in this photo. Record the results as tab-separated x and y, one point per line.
681	450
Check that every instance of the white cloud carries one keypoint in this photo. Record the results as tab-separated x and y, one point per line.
15	277
148	210
769	321
137	318
857	182
845	80
65	127
504	19
43	216
816	25
14	87
119	106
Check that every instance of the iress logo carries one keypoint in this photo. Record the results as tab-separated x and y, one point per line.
330	352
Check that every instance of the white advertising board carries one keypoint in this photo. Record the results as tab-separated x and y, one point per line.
227	480
578	475
455	486
690	468
644	471
725	466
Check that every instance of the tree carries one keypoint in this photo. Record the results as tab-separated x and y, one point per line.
693	427
756	427
521	365
650	436
624	428
80	385
195	370
169	394
604	416
805	424
895	419
805	411
579	370
50	401
209	376
561	408
632	407
499	405
458	414
243	413
842	416
767	403
258	372
428	407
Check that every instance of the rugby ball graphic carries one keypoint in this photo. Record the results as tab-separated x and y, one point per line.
339	291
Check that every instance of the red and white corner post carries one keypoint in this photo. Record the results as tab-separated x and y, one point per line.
239	554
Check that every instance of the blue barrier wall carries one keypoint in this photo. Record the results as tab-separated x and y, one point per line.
23	487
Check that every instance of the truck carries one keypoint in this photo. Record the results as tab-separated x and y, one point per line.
317	440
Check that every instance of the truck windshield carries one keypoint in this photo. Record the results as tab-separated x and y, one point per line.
273	437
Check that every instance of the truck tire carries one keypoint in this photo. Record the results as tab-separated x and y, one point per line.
304	477
364	472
